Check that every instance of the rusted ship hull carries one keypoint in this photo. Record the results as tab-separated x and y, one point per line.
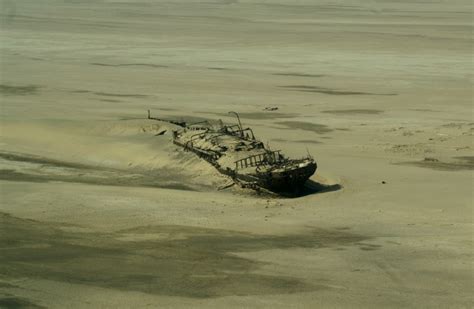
282	181
289	180
286	180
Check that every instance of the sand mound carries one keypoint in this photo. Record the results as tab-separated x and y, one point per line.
130	128
126	152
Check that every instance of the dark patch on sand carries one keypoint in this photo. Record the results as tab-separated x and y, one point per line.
219	69
466	159
12	175
110	100
18	90
354	112
303	141
109	94
168	260
306	126
104	178
131	64
190	119
257	115
424	110
266	115
305	88
165	109
13	302
307	141
6	285
47	170
368	247
299	74
459	164
18	157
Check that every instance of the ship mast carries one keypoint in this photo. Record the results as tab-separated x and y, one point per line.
240	124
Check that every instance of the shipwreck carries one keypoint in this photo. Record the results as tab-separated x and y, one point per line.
234	151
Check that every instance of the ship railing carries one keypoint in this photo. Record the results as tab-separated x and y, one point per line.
270	157
194	128
235	130
231	128
178	123
199	122
197	136
209	155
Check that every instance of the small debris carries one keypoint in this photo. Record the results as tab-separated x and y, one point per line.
160	133
383	182
226	186
270	108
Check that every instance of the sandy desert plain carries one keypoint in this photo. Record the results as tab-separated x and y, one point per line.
98	212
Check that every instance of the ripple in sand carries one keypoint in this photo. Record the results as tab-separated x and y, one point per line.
324	90
299	74
459	164
354	112
18	90
306	126
131	64
109	94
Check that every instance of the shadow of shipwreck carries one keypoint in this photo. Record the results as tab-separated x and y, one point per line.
311	187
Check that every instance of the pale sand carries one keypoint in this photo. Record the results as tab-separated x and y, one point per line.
98	212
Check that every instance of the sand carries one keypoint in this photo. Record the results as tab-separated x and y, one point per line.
100	210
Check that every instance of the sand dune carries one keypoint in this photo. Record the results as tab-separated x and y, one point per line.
123	152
